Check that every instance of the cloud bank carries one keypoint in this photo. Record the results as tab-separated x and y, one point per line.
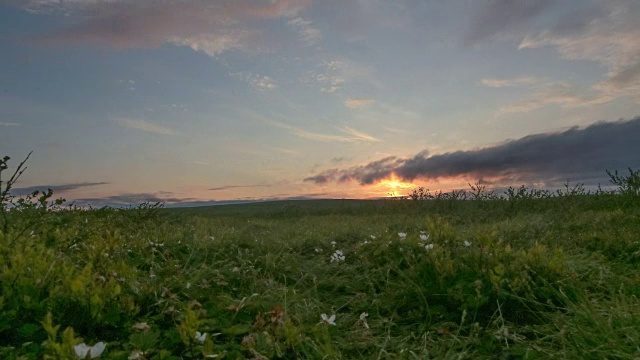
577	154
56	188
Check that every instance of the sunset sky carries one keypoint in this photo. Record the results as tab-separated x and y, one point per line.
196	101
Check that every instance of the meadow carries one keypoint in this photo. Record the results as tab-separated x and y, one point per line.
524	275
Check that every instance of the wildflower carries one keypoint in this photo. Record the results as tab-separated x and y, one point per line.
333	244
372	237
142	326
331	320
201	337
318	250
467	243
363	319
135	355
428	246
424	237
188	285
402	235
337	256
366	242
83	349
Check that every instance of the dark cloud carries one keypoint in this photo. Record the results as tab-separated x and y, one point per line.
237	187
204	25
132	199
577	154
56	188
498	16
126	200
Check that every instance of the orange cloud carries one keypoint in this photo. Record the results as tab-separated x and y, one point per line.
211	27
356	103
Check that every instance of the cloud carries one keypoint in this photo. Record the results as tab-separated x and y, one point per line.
307	32
332	74
258	82
226	187
499	16
356	103
146	126
126	200
8	124
353	135
578	154
546	92
608	35
56	188
500	83
208	26
132	199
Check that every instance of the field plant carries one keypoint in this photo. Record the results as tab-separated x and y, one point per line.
471	275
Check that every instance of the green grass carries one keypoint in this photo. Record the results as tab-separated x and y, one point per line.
540	279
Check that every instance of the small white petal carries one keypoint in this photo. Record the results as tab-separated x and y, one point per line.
81	350
363	315
201	337
97	349
135	355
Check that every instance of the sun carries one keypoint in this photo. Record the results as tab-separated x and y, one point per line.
395	186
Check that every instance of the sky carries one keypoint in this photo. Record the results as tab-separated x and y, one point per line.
206	101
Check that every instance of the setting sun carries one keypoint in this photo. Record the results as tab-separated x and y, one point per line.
394	186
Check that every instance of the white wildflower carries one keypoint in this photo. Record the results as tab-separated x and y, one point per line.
424	237
337	256
135	355
428	246
467	243
142	326
333	244
83	349
201	337
363	319
331	320
402	235
372	237
318	250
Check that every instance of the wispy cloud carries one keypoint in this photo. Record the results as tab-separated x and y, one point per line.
546	92
307	32
258	82
8	124
356	103
496	17
332	74
208	26
500	83
56	188
577	154
353	135
145	126
557	93
607	35
227	187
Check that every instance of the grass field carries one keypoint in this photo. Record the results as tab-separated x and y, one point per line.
519	279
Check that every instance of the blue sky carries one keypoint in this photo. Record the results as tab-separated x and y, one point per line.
195	100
